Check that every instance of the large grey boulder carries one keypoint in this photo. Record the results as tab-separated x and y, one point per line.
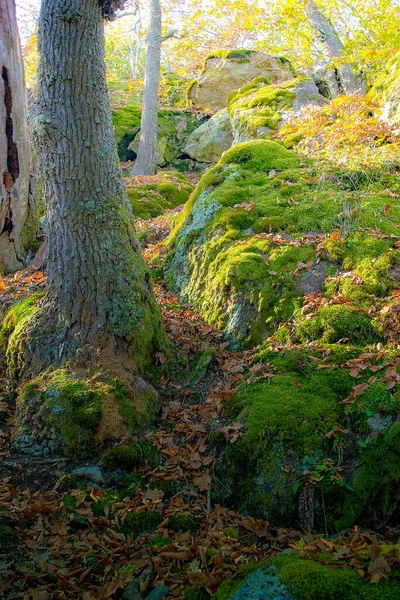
208	142
226	71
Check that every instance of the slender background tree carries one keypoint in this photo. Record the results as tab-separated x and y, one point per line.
146	161
17	198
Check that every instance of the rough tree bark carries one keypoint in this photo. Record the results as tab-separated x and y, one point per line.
17	200
98	289
346	78
146	161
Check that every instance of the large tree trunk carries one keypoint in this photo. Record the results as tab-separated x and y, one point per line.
146	162
98	289
347	79
16	182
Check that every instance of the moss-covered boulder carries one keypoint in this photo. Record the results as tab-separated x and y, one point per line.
227	70
261	233
259	109
209	141
289	576
174	127
386	91
69	412
321	439
151	196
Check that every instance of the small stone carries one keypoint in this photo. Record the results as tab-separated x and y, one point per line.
94	474
79	522
131	592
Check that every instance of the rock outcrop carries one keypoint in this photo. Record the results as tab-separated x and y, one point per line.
386	91
300	258
174	127
208	142
226	71
259	109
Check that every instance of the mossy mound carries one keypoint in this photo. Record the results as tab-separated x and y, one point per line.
317	451
141	522
258	109
131	456
261	232
165	191
174	127
69	413
8	539
295	578
181	523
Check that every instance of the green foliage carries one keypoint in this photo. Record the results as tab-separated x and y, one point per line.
130	456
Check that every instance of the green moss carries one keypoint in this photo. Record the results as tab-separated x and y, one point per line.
260	156
130	456
8	538
181	523
141	522
189	88
336	322
16	317
125	119
310	580
149	201
197	591
239	55
158	542
132	483
134	419
70	406
256	106
295	424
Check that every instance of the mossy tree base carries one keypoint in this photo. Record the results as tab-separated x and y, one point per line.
79	412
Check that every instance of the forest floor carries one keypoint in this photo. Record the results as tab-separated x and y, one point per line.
68	537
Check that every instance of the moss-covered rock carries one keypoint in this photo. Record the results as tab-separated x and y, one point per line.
174	127
307	438
258	110
166	190
294	578
228	70
69	413
261	232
